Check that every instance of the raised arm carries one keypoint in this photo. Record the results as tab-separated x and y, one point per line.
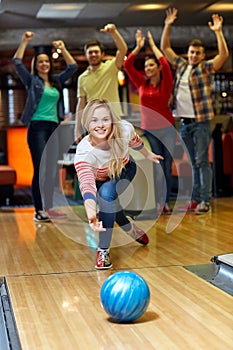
154	47
140	41
165	44
59	44
134	75
223	52
27	36
119	41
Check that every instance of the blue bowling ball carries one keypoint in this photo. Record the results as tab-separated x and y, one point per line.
125	296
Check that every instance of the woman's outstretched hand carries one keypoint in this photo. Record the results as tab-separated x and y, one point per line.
96	225
154	157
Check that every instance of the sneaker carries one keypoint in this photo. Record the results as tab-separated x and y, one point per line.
41	216
166	210
103	260
202	208
163	209
54	214
139	235
189	207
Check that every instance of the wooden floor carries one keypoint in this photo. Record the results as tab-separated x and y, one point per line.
54	288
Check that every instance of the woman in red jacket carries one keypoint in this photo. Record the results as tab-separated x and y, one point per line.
154	88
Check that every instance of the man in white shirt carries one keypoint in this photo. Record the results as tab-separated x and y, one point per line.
192	102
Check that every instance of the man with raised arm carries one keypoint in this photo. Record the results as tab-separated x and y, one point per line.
100	79
192	103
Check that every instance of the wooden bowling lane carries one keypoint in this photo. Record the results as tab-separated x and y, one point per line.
63	311
54	288
29	248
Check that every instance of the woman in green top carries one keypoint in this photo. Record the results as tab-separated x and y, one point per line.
42	114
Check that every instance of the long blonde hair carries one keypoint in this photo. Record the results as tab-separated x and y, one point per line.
115	139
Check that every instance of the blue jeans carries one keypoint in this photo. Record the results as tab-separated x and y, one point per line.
45	168
197	137
110	209
162	141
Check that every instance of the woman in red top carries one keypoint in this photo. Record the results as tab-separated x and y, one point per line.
154	88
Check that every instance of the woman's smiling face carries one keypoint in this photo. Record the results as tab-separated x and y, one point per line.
43	64
100	125
152	69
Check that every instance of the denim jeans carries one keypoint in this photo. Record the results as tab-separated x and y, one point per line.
44	163
110	209
197	137
162	141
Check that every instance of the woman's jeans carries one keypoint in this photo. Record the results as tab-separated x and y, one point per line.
197	137
162	141
45	169
110	209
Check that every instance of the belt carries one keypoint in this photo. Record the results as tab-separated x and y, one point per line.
187	120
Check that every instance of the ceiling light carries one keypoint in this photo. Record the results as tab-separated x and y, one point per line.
148	7
225	6
55	55
65	10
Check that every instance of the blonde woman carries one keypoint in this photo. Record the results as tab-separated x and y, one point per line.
102	159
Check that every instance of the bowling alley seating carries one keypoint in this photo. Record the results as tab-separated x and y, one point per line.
7	182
